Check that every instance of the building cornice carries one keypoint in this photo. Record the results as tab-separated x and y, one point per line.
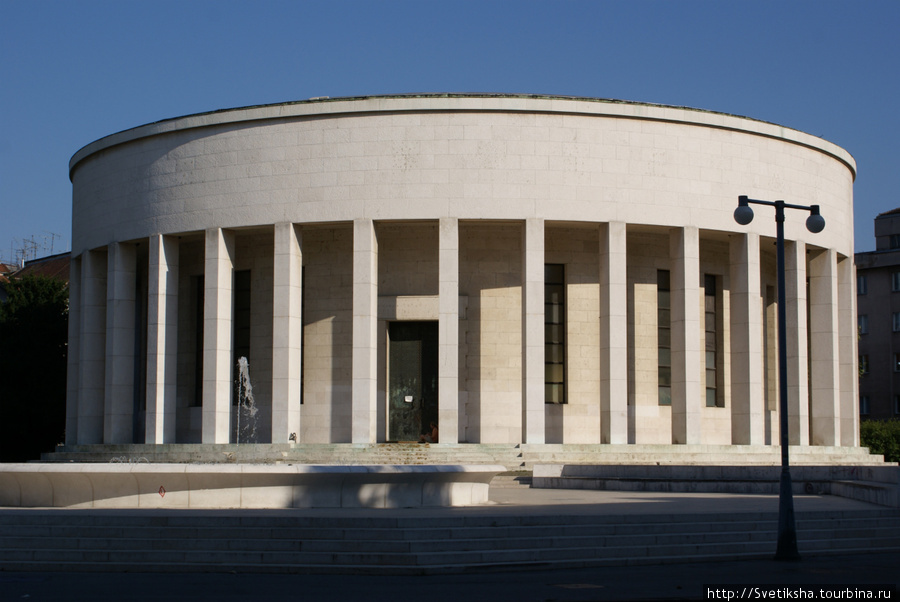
442	103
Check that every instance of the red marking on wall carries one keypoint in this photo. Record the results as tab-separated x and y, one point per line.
162	491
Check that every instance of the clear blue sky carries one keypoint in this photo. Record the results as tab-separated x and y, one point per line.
75	71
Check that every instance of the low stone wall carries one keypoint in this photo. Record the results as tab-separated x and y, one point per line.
143	485
874	484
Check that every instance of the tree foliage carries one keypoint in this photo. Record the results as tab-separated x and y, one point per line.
881	437
33	337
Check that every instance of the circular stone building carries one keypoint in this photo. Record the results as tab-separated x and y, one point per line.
515	269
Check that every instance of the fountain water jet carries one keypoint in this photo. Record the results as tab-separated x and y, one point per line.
246	405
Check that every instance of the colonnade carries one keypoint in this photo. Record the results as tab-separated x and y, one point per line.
106	365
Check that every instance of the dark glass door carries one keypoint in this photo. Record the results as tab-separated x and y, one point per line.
412	379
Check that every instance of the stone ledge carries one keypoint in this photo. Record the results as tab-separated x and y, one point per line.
873	484
242	485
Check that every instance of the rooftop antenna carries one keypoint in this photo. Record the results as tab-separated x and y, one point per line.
52	236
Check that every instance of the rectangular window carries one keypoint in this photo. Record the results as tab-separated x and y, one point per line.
862	323
241	310
896	404
712	331
864	405
554	333
895	241
897	362
862	285
895	321
664	336
895	282
199	291
863	364
770	349
140	340
302	333
241	321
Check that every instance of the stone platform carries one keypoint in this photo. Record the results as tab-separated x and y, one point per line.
520	529
514	457
218	486
874	484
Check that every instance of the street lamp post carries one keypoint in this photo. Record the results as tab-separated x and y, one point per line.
787	530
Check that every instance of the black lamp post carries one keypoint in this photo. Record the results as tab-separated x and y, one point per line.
787	530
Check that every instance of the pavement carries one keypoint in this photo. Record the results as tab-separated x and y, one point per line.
579	501
844	574
525	501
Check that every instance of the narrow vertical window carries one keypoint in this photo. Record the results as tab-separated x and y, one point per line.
895	282
140	355
863	364
241	326
862	323
895	321
862	285
664	336
302	328
554	333
864	405
897	362
711	315
199	293
770	350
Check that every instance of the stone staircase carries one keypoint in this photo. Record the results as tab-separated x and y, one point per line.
330	454
520	479
700	455
676	464
516	457
286	543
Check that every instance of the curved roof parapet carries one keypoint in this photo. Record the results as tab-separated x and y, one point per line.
481	102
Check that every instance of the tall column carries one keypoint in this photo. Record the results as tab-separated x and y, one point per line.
825	362
162	339
849	412
118	425
287	332
217	336
797	342
533	332
74	350
92	367
365	321
448	330
613	334
684	252
747	395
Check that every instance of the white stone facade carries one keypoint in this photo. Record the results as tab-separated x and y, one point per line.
296	234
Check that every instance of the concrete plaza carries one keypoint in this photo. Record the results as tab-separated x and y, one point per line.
674	581
666	582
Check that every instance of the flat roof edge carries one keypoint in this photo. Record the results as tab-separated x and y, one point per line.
486	102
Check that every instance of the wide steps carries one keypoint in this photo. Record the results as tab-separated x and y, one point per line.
515	457
551	538
702	459
202	542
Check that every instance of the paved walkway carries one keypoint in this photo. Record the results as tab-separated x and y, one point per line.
661	582
667	582
573	501
524	501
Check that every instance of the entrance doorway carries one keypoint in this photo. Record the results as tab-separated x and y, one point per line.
412	379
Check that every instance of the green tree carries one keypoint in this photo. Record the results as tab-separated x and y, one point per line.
881	437
33	337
